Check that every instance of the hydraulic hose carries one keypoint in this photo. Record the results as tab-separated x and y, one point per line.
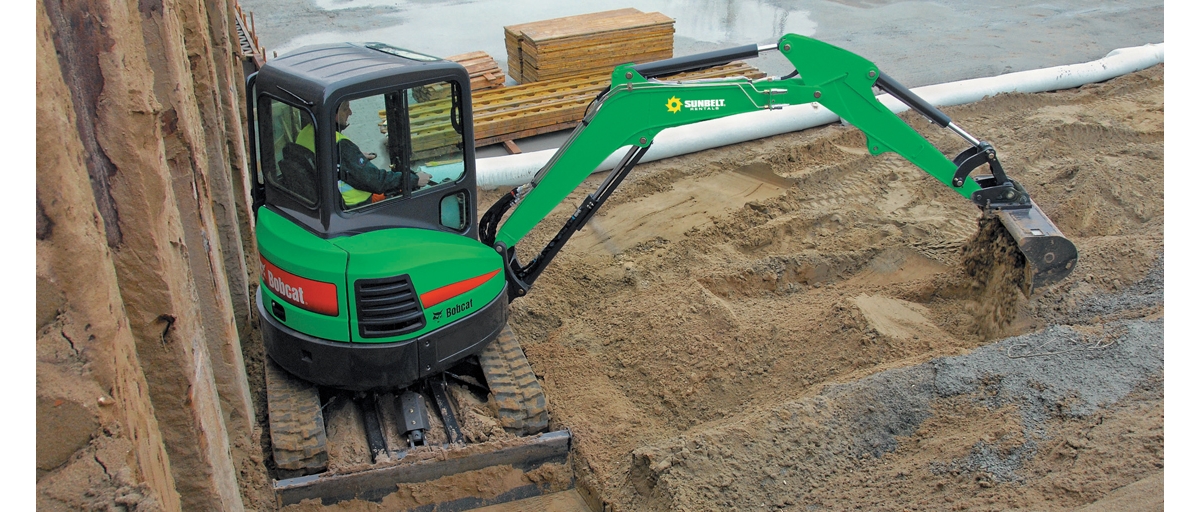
698	61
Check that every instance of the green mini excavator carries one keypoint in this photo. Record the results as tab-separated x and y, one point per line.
380	278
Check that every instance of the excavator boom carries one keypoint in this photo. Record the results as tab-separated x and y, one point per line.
637	107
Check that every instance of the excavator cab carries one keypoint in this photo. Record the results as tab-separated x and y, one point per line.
367	225
344	131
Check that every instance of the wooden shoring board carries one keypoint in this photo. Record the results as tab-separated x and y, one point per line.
604	65
513	122
431	126
596	54
514	34
432	130
622	37
482	68
529	43
615	36
527	94
612	54
628	47
566	30
477	56
518	29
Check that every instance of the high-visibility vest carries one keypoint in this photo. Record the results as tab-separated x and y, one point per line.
350	195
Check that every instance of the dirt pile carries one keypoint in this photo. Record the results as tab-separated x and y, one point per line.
795	310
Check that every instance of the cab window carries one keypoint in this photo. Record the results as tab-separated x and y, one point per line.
288	161
393	145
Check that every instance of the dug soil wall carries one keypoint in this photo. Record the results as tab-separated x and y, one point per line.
142	241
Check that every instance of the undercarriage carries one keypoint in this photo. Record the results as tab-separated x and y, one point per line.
486	412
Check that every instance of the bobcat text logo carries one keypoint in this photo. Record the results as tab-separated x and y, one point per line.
284	289
451	311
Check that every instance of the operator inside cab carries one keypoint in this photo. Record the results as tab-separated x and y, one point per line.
361	182
414	146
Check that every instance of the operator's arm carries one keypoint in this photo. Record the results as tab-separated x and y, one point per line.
361	174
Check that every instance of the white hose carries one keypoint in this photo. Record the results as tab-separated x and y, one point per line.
513	170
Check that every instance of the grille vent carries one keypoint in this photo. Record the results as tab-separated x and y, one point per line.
387	307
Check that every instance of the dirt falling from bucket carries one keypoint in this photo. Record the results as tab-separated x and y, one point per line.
995	271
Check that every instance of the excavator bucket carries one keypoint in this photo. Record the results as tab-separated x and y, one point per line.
1049	256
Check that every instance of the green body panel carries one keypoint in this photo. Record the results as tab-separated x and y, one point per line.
845	82
432	259
635	110
295	250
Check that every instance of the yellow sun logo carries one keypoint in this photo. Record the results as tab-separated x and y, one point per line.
673	105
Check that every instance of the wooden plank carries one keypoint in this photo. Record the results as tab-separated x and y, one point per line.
573	27
571	45
519	29
628	50
602	65
621	40
482	68
611	35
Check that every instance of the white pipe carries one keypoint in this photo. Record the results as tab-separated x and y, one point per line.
513	170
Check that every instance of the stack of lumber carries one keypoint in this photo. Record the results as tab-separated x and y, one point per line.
508	113
586	44
485	74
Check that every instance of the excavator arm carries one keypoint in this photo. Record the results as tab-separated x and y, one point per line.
637	107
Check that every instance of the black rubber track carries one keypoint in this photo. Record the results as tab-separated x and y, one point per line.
297	427
515	395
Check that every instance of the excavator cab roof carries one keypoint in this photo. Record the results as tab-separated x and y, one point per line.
320	72
422	131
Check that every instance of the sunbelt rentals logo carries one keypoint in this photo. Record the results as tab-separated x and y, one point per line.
674	105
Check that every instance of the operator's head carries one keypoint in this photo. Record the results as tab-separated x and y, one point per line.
343	115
